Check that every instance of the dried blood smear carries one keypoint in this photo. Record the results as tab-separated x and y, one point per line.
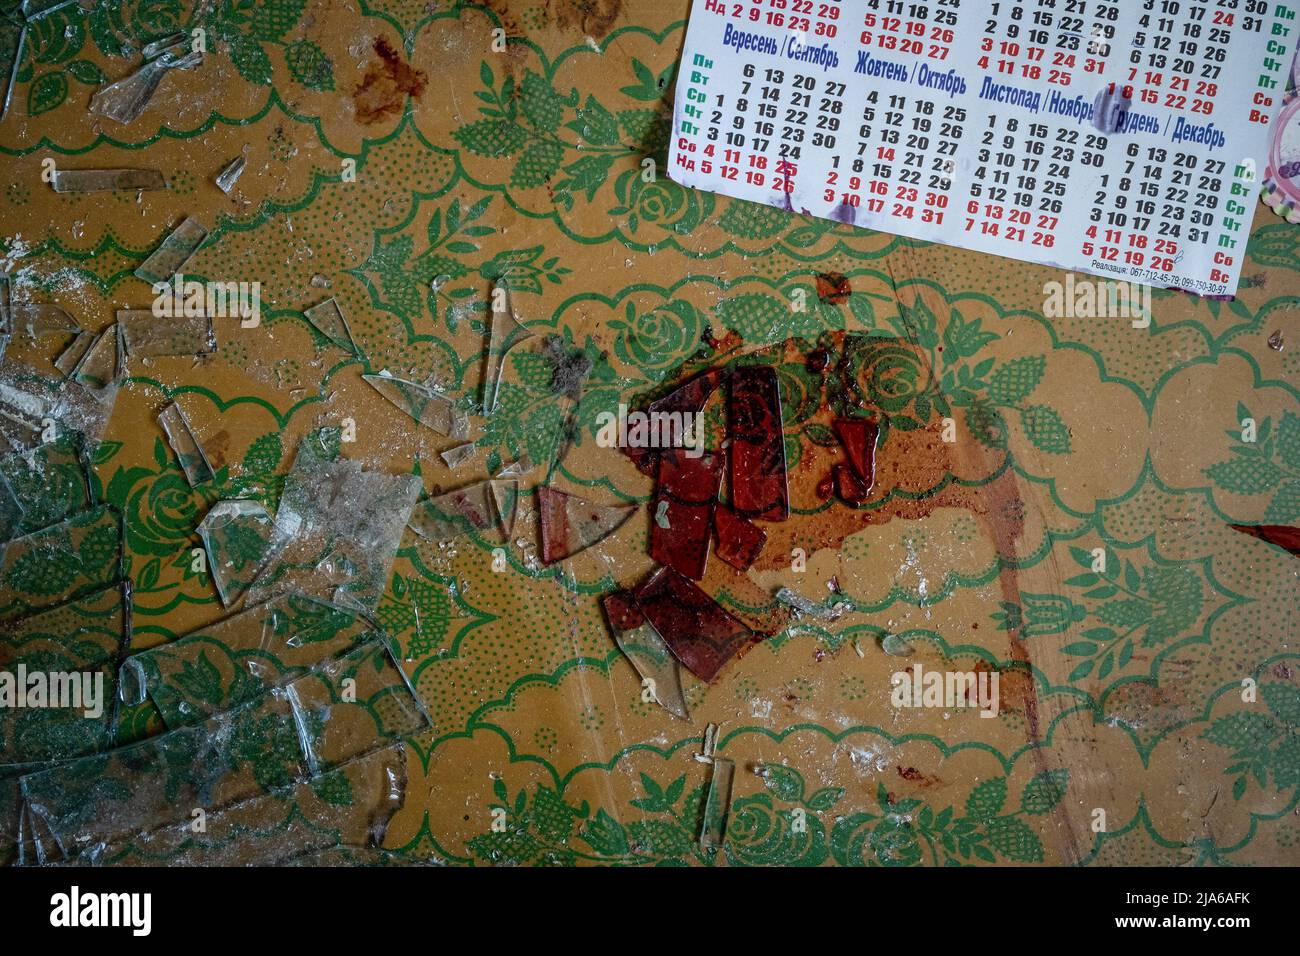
849	486
570	524
382	92
758	476
833	287
684	500
696	629
858	436
739	540
690	397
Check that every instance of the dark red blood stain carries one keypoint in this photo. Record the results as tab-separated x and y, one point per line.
758	477
739	541
849	486
689	487
833	287
1283	536
622	610
696	629
817	361
858	436
1281	670
910	773
383	90
690	397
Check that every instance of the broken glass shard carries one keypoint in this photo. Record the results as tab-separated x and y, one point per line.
517	468
683	508
329	320
100	365
145	334
505	499
336	530
30	400
739	540
458	455
696	629
849	485
446	517
758	477
858	436
717	804
351	706
72	649
228	176
1283	536
185	444
240	657
427	407
237	537
645	649
804	606
570	524
504	333
38	319
20	50
352	804
42	487
172	254
126	99
101	180
71	356
73	558
689	399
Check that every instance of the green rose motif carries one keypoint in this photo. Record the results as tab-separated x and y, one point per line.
655	342
864	839
162	514
760	835
661	202
890	377
121	29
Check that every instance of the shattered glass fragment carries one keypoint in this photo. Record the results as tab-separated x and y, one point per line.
571	524
71	356
30	400
717	804
683	507
858	436
353	803
42	487
172	254
237	537
517	468
1283	536
739	541
230	174
505	499
102	180
100	366
125	99
20	49
427	407
458	455
350	707
185	444
800	603
336	530
145	334
690	398
696	629
71	559
645	649
240	657
329	319
504	333
758	476
446	517
39	319
849	485
73	647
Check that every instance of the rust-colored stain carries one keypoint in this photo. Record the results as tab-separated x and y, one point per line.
382	92
594	18
833	287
